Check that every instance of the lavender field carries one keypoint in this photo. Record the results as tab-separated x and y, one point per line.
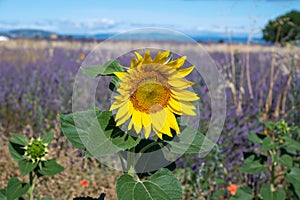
36	83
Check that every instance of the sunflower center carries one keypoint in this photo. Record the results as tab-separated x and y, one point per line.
150	97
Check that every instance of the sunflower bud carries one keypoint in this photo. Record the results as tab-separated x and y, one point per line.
36	150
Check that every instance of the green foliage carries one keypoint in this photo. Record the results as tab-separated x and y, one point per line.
252	165
267	193
284	29
294	178
190	141
103	70
256	138
47	138
50	168
14	190
162	185
18	148
26	166
243	193
85	135
279	145
206	180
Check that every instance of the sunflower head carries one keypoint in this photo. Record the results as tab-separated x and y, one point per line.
36	150
152	93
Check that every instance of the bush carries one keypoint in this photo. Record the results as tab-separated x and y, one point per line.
283	29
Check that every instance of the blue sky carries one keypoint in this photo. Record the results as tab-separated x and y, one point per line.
111	16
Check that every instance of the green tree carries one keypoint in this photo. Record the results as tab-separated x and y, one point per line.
284	29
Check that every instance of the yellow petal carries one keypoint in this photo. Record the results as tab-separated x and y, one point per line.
159	135
172	121
181	107
146	120
180	83
137	120
133	63
147	58
161	57
176	64
158	119
138	56
184	95
130	125
120	75
174	110
123	110
126	116
116	104
186	71
166	130
147	130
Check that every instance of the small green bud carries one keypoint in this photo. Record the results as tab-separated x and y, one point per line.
36	150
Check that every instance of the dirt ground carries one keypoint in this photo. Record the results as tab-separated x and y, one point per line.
65	185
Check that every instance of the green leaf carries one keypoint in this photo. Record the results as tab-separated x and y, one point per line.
87	154
47	138
26	166
219	181
70	131
219	194
190	141
243	193
114	83
115	134
270	125
50	168
3	194
252	166
286	161
267	144
254	138
16	151
47	198
103	70
290	145
294	178
144	165
163	185
16	189
19	139
266	193
96	131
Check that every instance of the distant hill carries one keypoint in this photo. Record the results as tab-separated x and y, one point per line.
27	33
203	36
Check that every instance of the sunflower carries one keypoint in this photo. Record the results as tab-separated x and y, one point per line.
152	92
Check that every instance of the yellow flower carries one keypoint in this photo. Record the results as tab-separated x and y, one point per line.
82	56
151	92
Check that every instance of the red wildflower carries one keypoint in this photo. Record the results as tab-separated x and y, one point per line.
84	183
232	189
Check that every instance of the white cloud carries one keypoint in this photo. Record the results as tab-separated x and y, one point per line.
86	26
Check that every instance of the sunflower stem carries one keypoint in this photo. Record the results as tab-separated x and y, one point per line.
32	181
122	162
147	147
130	162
